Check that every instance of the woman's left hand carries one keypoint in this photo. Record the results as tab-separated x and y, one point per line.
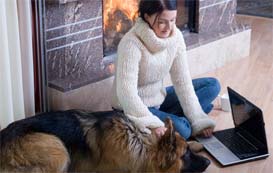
207	132
160	131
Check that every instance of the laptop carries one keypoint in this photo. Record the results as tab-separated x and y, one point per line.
246	141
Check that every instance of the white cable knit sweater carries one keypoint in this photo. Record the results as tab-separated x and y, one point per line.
143	61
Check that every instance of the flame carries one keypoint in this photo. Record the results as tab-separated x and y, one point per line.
128	7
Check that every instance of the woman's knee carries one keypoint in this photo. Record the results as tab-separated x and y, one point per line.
214	86
183	127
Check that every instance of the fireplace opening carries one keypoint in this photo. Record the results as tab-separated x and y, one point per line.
120	15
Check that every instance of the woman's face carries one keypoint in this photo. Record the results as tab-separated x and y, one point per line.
162	24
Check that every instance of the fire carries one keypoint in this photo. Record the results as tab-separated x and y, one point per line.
128	8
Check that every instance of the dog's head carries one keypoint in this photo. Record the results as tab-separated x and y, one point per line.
174	154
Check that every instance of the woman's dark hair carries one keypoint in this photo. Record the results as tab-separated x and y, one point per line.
151	7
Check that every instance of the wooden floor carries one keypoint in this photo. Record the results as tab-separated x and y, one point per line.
252	77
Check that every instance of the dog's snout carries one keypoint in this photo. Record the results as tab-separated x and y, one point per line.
206	163
194	162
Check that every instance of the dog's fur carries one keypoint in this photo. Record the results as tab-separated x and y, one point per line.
79	141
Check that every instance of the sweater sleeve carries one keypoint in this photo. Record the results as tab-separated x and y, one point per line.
181	78
127	69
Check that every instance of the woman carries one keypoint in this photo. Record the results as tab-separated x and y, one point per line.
152	49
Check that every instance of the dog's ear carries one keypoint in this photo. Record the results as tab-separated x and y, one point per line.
167	147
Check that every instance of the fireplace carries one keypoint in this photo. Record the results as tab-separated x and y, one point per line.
81	36
79	73
119	17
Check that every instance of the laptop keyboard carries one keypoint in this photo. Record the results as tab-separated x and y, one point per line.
236	143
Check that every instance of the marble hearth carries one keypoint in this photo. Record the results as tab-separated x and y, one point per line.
80	77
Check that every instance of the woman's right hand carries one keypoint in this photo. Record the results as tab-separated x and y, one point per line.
207	132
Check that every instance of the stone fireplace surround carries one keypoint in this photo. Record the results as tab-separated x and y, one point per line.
80	77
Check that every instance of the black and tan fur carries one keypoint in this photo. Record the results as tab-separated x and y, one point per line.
77	141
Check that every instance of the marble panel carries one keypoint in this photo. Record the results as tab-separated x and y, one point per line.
71	38
250	4
59	1
217	16
63	14
263	8
206	3
72	28
78	65
74	47
66	1
194	40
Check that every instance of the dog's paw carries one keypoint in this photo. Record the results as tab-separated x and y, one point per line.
195	146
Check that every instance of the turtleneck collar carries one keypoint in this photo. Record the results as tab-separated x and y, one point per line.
150	39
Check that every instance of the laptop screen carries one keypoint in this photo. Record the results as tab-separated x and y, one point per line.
247	116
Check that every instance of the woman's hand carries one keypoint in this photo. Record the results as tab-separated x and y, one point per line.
207	132
160	131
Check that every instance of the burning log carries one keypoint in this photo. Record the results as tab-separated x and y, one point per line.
119	17
113	33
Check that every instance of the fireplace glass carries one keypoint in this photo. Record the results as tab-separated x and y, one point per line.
120	15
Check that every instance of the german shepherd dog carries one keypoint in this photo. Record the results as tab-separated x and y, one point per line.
79	141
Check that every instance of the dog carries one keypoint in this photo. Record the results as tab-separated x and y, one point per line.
81	141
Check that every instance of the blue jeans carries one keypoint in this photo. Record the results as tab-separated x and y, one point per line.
206	89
